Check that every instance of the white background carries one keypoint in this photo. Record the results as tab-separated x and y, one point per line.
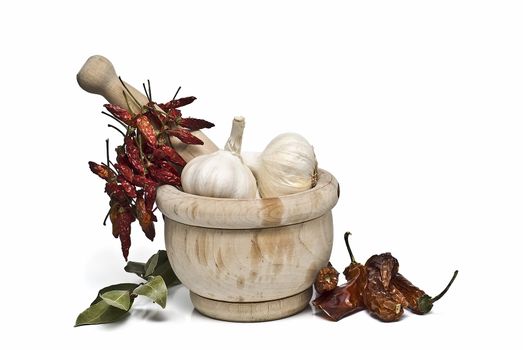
416	107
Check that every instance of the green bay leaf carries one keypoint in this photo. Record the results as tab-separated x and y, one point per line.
119	286
118	298
99	313
150	265
137	268
155	289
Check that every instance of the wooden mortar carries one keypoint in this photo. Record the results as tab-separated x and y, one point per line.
249	260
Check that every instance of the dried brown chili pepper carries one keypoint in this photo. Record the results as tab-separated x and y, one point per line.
327	279
103	171
347	298
418	301
381	297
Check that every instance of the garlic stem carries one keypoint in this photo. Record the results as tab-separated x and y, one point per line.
234	143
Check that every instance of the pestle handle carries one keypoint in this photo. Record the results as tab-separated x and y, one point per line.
98	76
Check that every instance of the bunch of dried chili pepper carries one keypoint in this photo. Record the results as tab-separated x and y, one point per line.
376	286
144	161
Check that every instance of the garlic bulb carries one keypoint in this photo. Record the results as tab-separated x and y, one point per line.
287	165
223	173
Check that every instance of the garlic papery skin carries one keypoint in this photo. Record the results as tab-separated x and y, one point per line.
288	165
221	174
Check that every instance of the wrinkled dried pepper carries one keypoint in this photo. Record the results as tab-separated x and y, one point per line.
418	301
103	171
169	153
121	114
133	155
347	298
327	279
145	217
381	298
173	104
147	130
194	123
377	286
185	136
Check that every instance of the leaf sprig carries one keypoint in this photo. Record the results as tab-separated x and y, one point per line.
114	302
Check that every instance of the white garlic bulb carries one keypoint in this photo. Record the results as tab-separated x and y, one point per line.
223	173
287	165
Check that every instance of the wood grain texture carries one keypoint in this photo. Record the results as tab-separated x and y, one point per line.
252	312
249	213
98	76
249	265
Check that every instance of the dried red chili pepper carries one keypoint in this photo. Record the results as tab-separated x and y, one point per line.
103	171
145	217
347	298
121	218
327	279
121	113
145	146
418	301
116	192
133	155
147	130
128	188
381	297
194	123
174	114
173	104
185	136
121	157
169	153
150	194
125	171
164	177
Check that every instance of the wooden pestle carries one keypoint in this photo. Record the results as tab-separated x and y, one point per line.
98	76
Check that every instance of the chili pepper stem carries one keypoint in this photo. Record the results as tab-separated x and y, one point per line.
106	216
346	237
142	156
112	116
114	127
177	91
138	104
107	150
438	297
